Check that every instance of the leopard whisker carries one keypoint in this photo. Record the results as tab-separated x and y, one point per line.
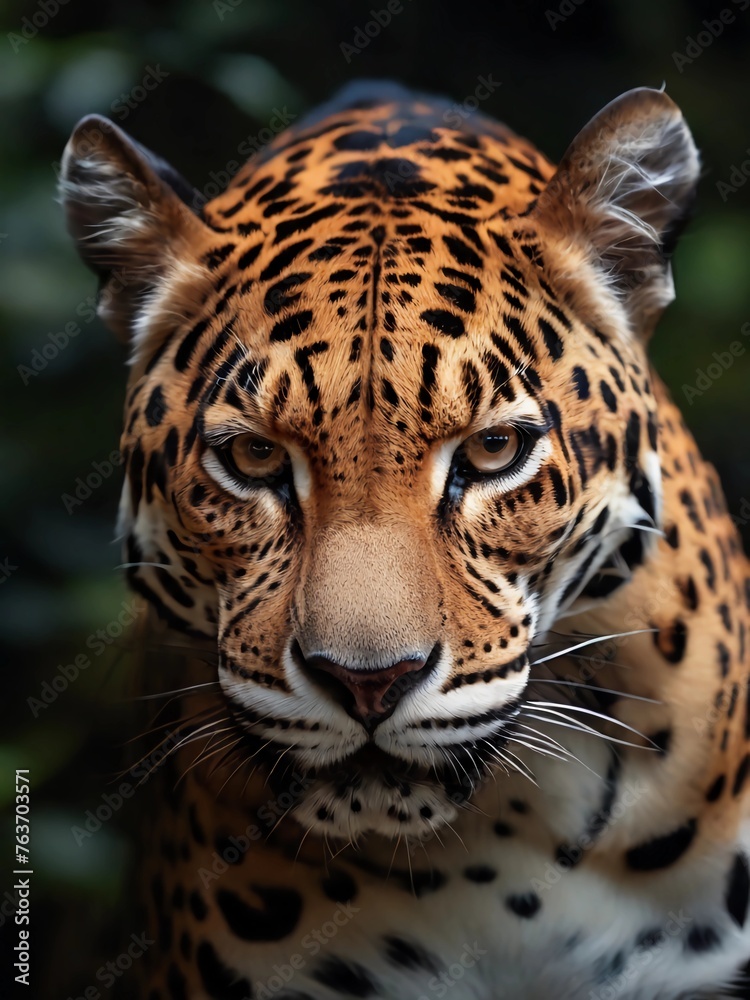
588	642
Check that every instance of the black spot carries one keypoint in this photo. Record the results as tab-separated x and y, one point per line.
358	140
552	340
558	486
661	851
408	955
462	252
198	906
716	789
420	883
283	260
348	978
389	393
689	592
227	851
662	740
176	983
339	886
188	345
292	326
248	257
277	919
155	408
503	829
462	298
632	440
581	382
671	641
300	223
724	659
741	776
702	938
608	396
386	348
649	938
524	905
220	982
738	890
480	873
165	932
444	321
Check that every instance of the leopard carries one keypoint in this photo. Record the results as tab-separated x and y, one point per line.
455	611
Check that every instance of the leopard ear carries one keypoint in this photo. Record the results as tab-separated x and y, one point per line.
127	211
616	204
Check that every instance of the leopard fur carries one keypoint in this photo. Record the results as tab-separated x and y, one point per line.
546	793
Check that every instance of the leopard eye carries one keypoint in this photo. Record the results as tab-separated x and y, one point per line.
496	449
255	457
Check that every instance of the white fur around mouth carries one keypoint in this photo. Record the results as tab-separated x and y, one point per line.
413	809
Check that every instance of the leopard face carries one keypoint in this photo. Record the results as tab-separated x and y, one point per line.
390	418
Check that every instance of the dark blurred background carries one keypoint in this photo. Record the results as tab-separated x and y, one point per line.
193	80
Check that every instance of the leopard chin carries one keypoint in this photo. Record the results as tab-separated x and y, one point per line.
373	792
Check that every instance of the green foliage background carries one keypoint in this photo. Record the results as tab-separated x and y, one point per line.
230	66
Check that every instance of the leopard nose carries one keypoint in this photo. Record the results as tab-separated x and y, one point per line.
369	696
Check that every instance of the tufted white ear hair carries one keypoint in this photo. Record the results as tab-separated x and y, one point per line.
618	200
127	211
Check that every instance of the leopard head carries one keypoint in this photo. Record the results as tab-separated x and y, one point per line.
389	418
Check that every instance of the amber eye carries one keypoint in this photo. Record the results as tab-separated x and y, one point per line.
495	449
255	457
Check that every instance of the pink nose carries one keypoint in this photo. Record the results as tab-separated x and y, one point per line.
368	695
